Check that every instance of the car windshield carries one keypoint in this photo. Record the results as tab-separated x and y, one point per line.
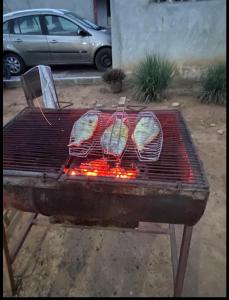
84	22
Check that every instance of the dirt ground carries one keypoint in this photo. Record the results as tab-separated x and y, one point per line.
74	262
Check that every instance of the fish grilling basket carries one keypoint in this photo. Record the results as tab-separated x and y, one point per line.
94	142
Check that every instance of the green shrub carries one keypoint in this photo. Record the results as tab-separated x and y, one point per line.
214	85
151	77
113	75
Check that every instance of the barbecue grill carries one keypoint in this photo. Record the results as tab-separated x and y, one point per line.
92	189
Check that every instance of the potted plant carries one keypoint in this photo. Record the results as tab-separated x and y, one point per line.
114	78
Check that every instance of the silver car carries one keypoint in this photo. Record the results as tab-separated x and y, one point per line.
53	37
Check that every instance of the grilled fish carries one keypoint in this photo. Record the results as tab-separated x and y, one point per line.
114	138
83	129
145	131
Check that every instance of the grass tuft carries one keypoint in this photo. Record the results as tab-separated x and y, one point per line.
213	84
151	77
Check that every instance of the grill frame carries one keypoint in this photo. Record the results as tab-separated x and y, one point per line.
123	202
126	203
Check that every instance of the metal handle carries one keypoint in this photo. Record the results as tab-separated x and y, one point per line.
122	101
121	104
53	42
136	107
18	40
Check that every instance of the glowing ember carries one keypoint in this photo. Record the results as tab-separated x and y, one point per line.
187	173
100	167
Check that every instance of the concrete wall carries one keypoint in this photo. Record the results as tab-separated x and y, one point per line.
192	34
83	8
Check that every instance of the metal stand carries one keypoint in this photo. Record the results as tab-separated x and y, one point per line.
183	259
10	257
178	265
8	267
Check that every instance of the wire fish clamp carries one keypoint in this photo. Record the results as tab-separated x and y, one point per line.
152	150
84	149
119	114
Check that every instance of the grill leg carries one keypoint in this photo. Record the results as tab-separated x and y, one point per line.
7	266
183	258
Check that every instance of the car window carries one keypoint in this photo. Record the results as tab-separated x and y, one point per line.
61	26
83	22
27	25
6	28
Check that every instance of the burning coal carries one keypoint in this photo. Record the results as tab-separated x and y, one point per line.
101	167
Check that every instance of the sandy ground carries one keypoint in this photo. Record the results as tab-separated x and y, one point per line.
74	262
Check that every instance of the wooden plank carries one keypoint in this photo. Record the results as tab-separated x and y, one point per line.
144	227
8	216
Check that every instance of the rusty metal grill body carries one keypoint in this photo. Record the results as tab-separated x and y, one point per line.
171	190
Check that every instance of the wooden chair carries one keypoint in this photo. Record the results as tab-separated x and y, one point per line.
38	82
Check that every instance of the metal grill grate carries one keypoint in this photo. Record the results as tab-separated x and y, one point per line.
31	144
178	162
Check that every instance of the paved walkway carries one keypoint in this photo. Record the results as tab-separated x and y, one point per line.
66	75
77	71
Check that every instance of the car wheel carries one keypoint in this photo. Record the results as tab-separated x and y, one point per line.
15	63
103	59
